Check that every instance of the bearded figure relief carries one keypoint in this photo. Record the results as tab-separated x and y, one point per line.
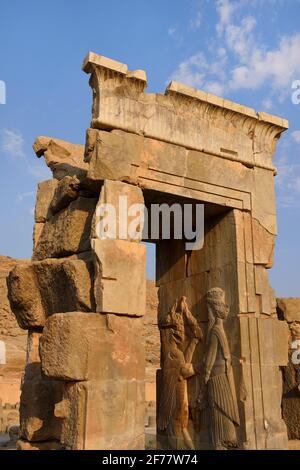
218	397
180	334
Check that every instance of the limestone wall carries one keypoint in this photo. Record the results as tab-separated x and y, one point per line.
13	351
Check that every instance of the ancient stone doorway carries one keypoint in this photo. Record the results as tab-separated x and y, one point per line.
183	145
188	274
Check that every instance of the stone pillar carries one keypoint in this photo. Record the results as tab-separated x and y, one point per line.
82	300
236	253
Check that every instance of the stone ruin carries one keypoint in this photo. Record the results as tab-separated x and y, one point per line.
82	298
12	354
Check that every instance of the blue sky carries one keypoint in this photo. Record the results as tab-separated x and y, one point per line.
247	51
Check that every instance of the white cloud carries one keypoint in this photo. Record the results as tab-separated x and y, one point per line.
23	196
267	104
252	64
195	70
196	22
239	38
216	88
191	71
288	183
225	9
12	143
171	31
277	67
295	135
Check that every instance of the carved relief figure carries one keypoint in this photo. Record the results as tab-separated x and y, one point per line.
221	402
180	334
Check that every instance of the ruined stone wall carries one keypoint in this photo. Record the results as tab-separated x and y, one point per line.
13	352
70	298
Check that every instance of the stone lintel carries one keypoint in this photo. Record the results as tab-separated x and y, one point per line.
175	87
183	116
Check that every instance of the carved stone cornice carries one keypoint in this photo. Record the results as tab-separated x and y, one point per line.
183	116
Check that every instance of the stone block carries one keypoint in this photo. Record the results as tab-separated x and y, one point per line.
263	245
185	172
289	308
45	194
63	158
120	277
76	345
112	155
39	289
273	338
264	208
38	397
68	231
66	191
264	348
127	202
264	290
24	296
106	414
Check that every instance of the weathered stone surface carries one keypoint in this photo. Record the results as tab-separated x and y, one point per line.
13	349
62	332
112	338
44	197
264	208
195	174
8	324
106	414
142	161
25	299
264	347
68	231
108	160
37	230
127	201
63	158
67	190
38	397
289	308
115	290
263	244
40	289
